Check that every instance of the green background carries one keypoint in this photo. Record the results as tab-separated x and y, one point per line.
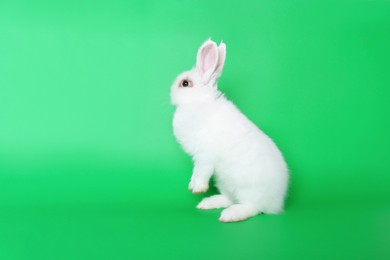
89	167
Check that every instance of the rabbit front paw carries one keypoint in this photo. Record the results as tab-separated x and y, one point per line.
198	187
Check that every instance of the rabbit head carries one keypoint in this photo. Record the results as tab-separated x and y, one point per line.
200	83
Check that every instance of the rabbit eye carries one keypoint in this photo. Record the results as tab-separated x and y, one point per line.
185	83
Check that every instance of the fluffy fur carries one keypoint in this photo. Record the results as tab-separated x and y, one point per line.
249	169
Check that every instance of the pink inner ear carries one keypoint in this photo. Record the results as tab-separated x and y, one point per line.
208	58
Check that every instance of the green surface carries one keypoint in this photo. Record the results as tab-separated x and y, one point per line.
89	168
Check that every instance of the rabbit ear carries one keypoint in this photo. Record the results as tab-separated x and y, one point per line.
221	59
207	59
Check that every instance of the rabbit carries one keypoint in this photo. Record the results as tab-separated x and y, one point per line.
249	170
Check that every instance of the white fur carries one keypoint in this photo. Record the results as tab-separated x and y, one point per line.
249	170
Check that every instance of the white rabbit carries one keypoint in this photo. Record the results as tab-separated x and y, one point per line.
249	170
